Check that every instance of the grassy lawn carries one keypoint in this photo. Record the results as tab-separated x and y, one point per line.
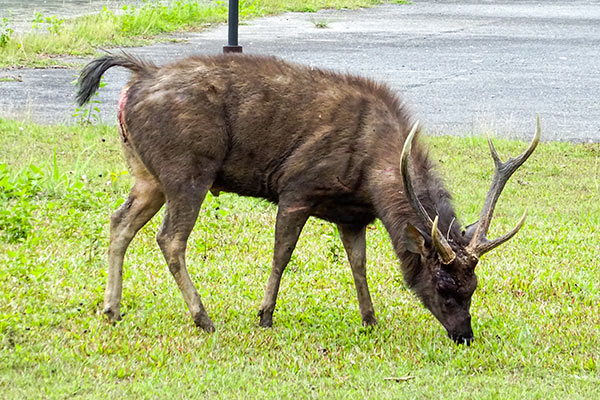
53	37
535	313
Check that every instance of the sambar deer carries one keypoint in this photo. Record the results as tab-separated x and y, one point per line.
317	143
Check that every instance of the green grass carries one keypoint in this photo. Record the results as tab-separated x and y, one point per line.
535	313
82	36
320	23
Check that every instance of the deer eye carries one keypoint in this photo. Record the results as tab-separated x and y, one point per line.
450	302
447	294
446	285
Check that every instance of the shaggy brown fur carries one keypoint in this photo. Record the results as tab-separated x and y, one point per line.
315	142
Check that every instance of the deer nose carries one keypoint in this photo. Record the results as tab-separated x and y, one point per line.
463	338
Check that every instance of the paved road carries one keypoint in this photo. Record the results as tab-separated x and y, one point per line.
464	66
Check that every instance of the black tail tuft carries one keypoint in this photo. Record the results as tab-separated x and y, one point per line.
89	79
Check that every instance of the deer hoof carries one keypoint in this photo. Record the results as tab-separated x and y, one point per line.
266	319
266	323
112	313
204	323
369	321
209	328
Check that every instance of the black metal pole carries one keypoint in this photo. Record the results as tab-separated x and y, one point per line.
232	22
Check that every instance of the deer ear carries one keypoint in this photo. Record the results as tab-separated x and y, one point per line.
470	230
413	240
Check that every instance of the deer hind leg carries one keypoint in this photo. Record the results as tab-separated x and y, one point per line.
354	240
183	205
289	224
145	199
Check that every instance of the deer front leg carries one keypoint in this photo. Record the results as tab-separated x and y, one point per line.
289	224
145	199
354	240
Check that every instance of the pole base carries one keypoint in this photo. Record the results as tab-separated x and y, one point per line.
232	49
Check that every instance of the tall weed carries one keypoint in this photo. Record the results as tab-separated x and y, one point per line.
6	32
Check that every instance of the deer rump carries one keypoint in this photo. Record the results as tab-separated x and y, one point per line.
315	142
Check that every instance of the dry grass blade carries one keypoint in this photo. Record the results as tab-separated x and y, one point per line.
399	378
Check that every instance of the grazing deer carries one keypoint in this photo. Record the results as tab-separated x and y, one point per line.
317	143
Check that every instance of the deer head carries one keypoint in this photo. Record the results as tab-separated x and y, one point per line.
446	278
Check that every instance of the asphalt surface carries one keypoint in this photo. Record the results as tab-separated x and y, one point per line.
464	66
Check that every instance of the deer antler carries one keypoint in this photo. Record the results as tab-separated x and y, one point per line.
479	244
439	242
408	187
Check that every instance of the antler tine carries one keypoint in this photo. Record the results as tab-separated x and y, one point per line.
408	187
495	156
441	245
479	244
488	245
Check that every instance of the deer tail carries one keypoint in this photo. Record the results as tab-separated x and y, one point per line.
89	79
